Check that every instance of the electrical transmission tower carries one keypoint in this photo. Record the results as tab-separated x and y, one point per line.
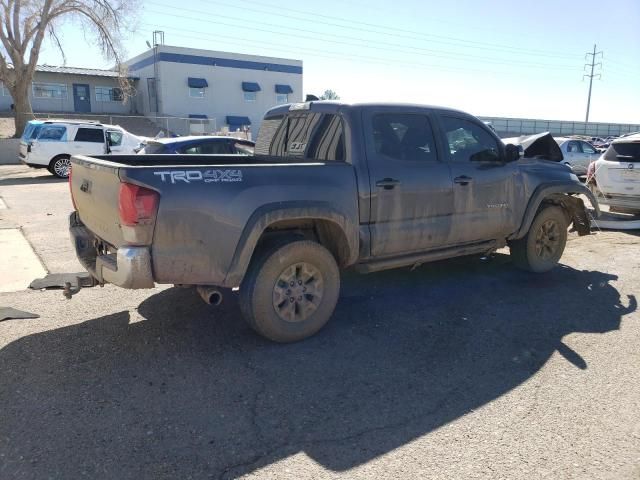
590	76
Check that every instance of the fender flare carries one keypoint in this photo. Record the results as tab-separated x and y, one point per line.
271	213
557	190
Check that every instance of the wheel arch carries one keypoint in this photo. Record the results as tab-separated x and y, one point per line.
319	221
560	194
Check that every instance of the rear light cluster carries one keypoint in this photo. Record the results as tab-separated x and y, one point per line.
137	205
73	201
591	172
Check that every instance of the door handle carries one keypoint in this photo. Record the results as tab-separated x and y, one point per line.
387	183
462	180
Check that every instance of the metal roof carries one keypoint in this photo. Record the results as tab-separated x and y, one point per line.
94	72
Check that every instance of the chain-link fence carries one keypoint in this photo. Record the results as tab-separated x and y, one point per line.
146	126
511	127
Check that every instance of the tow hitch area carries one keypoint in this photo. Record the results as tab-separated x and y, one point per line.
82	281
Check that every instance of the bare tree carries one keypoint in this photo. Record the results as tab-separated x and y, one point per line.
25	23
329	95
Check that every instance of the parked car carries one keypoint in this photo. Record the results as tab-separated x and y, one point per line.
578	154
199	145
50	143
615	177
332	185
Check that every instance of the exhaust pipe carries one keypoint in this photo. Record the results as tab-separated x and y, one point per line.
210	295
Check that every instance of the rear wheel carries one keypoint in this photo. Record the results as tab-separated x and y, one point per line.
541	248
290	290
60	166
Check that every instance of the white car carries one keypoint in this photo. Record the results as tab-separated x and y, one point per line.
577	154
615	177
50	143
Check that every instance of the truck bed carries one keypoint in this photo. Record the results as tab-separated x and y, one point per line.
207	204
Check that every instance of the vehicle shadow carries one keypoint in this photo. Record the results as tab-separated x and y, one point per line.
36	179
190	391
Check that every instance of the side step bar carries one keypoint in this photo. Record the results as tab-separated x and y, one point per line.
416	259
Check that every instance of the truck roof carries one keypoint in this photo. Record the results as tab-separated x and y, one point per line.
332	106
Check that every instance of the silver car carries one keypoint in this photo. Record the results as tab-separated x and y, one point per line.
577	154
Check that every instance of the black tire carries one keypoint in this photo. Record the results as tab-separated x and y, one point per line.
541	248
59	165
265	303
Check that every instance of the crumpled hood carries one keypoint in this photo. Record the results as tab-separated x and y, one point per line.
541	145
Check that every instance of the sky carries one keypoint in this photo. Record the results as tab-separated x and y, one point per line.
490	58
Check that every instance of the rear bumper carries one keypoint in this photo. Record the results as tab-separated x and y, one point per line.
128	267
622	201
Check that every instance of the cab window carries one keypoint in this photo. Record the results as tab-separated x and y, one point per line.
298	136
469	142
404	137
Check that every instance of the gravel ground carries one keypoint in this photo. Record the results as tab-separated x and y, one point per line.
459	369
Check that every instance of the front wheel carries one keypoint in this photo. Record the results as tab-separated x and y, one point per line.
290	290
541	248
60	166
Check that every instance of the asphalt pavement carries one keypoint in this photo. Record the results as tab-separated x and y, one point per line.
459	369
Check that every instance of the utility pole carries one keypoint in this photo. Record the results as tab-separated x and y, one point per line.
593	65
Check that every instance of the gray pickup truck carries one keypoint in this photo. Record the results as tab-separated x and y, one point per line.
331	186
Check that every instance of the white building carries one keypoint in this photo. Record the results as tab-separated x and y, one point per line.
224	89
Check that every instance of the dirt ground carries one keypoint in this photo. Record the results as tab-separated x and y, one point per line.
7	127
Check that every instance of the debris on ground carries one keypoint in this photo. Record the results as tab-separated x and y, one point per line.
8	313
58	280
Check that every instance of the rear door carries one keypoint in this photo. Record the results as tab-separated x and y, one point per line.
487	190
411	189
89	141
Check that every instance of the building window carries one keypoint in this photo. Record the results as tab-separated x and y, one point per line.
196	92
282	98
108	94
50	90
4	91
250	96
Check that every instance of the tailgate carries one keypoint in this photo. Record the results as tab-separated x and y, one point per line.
95	189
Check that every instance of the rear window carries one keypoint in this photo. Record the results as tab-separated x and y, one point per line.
154	148
623	152
31	131
303	136
95	135
52	133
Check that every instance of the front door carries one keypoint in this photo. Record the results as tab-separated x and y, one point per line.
487	191
81	97
410	184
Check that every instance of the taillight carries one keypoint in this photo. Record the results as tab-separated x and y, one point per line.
591	172
73	200
137	205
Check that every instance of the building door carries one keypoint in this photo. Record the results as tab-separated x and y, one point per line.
81	97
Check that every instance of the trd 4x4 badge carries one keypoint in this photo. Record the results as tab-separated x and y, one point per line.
208	176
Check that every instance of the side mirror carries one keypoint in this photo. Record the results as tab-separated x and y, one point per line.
513	153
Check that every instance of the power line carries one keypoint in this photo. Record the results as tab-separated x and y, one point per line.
421	36
590	76
386	46
350	22
336	55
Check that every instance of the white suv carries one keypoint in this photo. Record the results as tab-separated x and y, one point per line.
615	177
50	143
